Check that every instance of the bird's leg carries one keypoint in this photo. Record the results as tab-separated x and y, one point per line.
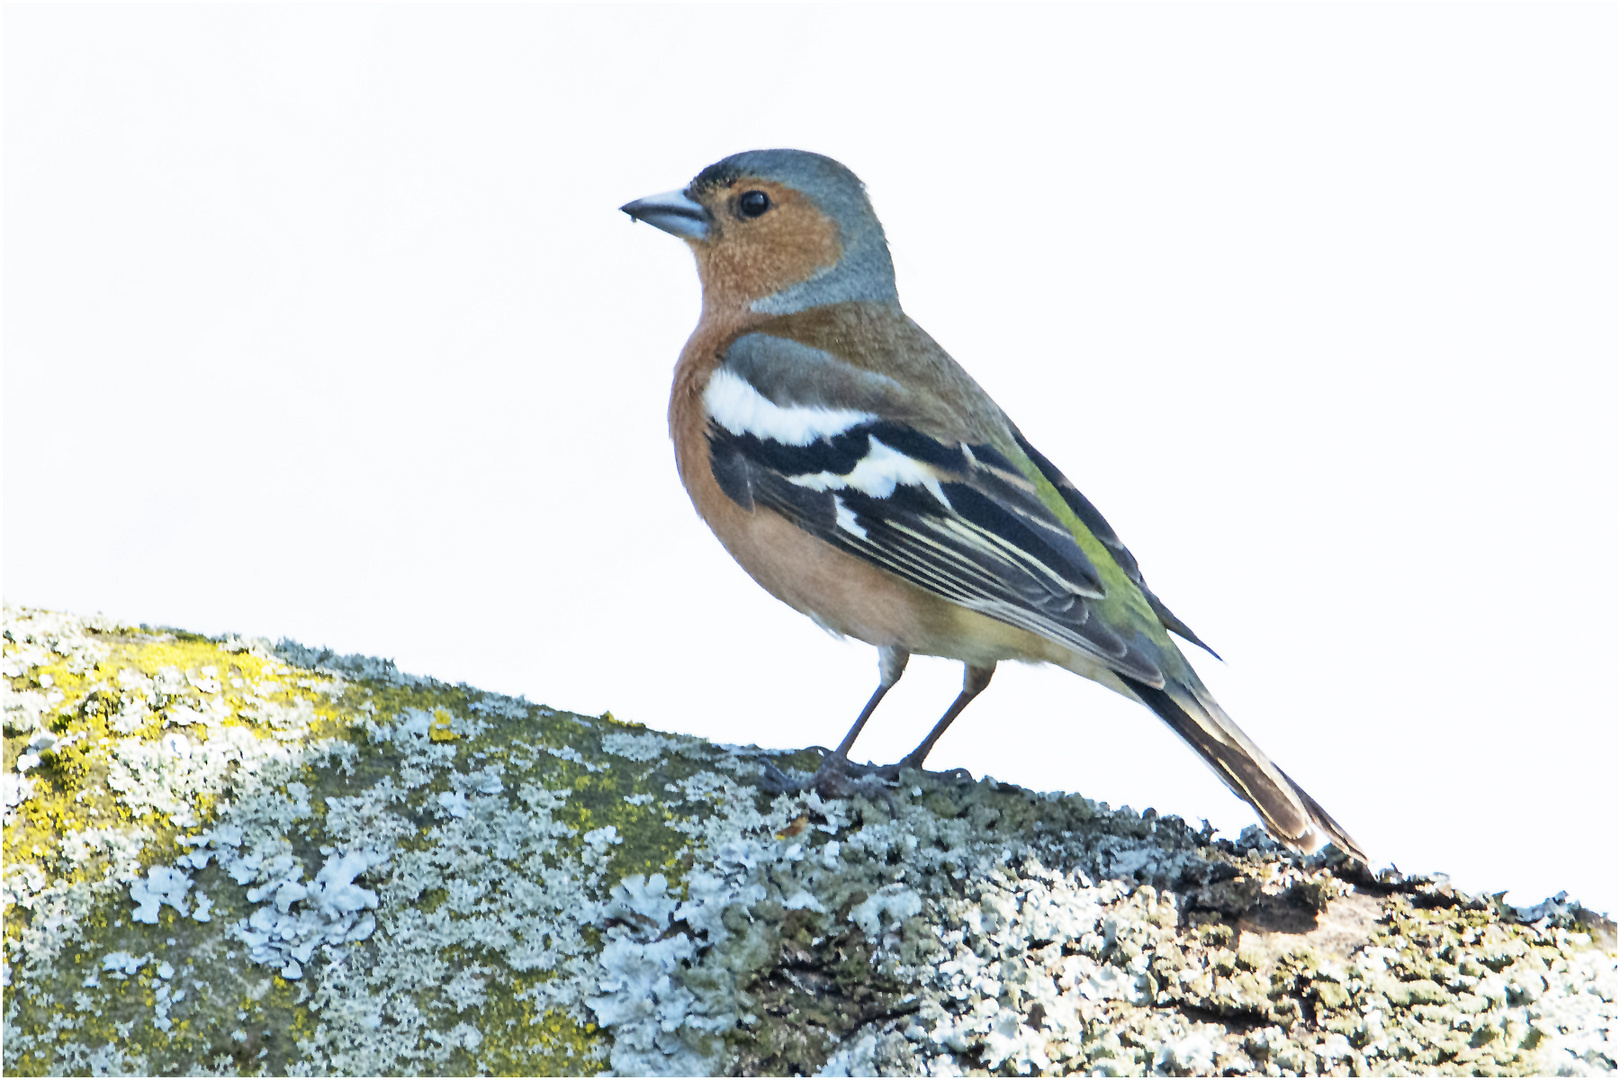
974	680
834	767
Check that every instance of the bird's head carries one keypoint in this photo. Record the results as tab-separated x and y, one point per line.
777	231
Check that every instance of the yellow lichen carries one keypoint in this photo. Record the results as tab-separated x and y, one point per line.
439	730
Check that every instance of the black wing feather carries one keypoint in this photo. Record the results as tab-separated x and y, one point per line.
1092	519
995	548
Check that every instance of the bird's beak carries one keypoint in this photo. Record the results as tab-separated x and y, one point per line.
673	212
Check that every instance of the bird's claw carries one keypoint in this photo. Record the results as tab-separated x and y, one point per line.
892	773
840	778
776	782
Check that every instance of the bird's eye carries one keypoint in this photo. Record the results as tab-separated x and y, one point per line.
753	203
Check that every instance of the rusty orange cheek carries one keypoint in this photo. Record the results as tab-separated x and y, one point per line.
754	259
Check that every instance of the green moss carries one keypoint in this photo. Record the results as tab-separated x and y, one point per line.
478	809
1330	994
555	751
1212	929
224	1012
812	985
71	791
551	1043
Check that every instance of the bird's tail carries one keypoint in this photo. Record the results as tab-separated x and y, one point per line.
1290	814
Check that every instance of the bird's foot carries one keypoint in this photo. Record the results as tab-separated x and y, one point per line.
840	778
837	778
773	781
891	773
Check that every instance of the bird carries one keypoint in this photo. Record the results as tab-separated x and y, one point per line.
861	476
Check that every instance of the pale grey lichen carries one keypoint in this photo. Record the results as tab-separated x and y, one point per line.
162	885
332	910
225	856
660	1027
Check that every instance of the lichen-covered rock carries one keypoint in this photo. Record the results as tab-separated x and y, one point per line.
224	856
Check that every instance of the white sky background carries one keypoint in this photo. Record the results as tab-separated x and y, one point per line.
322	322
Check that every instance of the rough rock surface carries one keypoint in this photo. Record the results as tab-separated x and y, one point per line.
232	857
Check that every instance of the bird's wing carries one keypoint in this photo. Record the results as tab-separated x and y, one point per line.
1099	527
849	456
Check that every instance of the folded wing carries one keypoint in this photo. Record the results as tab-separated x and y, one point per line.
1094	521
856	470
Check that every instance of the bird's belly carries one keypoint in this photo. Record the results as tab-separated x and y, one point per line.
843	593
848	596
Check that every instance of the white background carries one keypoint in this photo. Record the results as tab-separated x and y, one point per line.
321	322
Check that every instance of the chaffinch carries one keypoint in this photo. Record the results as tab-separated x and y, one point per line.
862	477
